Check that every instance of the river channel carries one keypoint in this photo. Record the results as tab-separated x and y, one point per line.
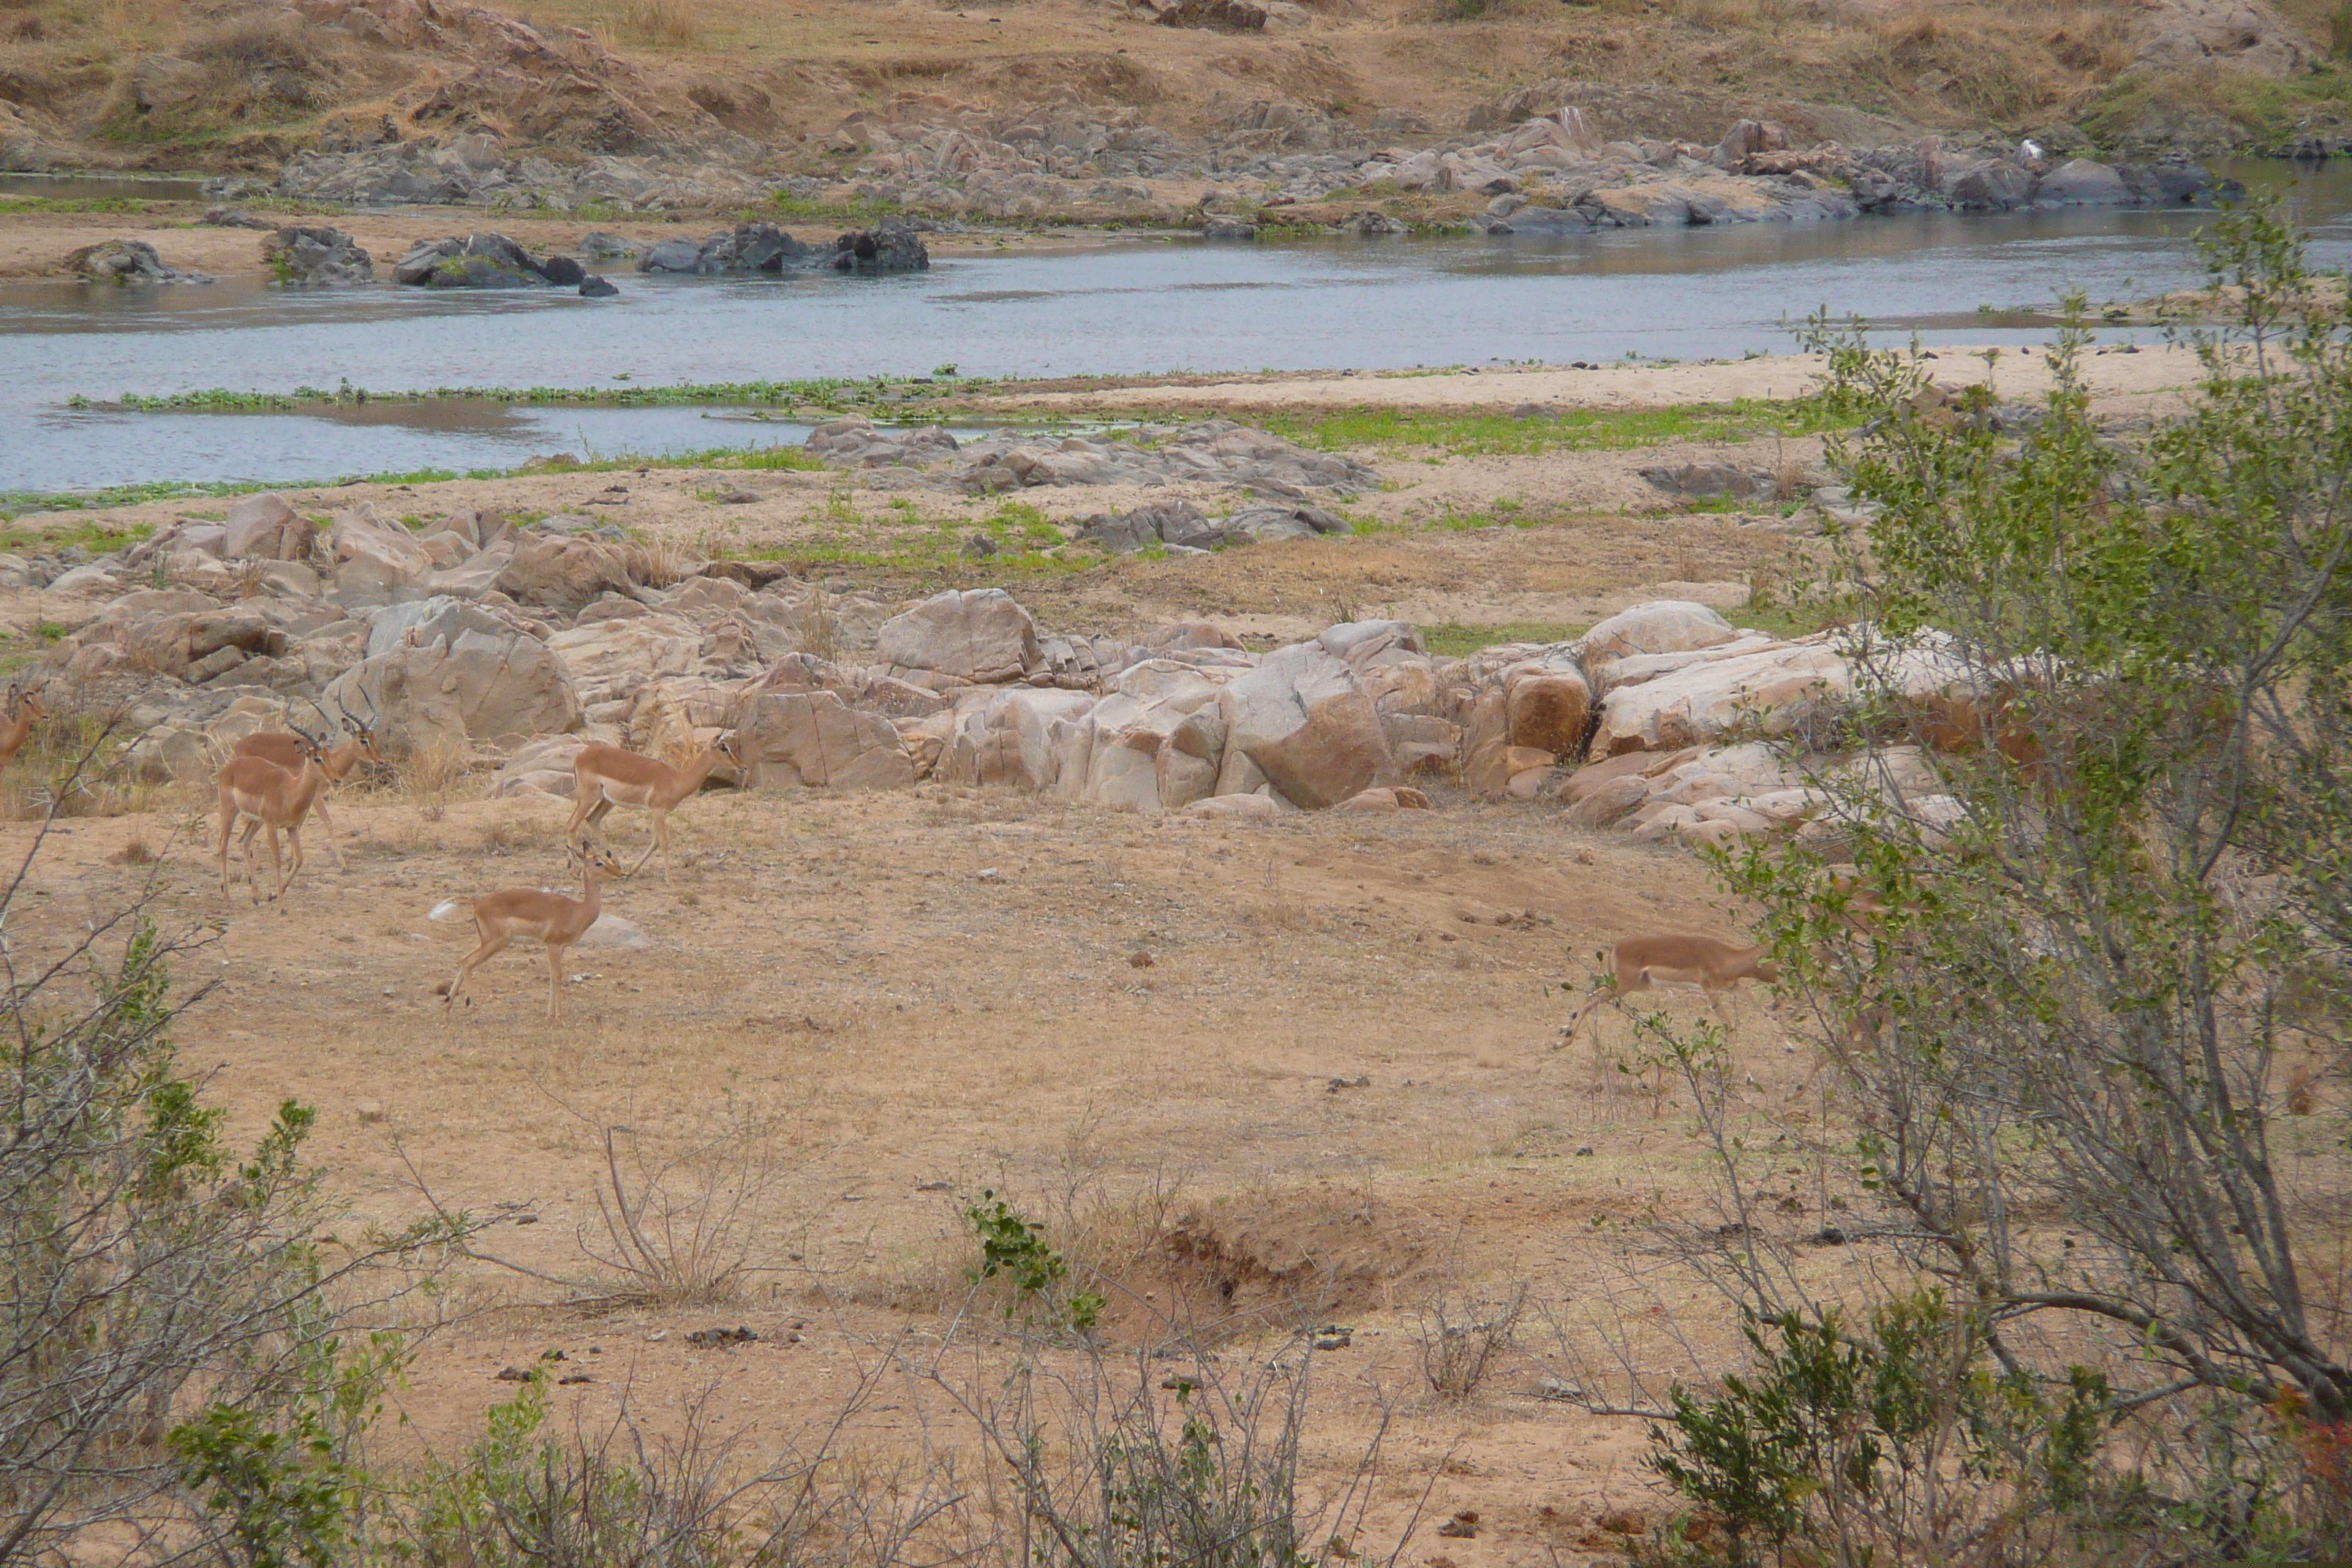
1123	306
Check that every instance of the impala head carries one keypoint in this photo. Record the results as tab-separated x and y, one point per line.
314	747
368	732
21	701
729	746
603	866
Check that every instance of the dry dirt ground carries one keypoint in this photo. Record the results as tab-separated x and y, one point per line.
1298	1069
912	997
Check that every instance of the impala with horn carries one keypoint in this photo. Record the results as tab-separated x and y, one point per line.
360	742
275	799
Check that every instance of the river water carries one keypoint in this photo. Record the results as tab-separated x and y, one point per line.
1136	307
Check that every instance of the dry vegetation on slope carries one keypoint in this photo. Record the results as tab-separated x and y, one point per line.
183	85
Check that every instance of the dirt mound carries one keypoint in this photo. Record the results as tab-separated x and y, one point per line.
1288	1255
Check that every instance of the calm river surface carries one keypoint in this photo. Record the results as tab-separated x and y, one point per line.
1131	308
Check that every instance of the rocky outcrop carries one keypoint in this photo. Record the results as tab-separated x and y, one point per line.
307	256
979	637
1215	451
482	261
751	248
477	689
126	261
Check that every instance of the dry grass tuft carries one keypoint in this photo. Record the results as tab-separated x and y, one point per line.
666	23
428	776
137	851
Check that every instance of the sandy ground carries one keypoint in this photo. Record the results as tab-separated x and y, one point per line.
917	995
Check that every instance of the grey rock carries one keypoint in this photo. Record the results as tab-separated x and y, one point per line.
319	256
126	261
2083	183
672	255
596	246
594	287
1228	228
1996	186
1702	480
888	247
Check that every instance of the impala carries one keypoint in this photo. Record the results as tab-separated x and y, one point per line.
607	776
1640	963
16	721
551	918
275	799
359	743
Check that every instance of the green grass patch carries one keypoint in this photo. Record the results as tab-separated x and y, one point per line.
1576	429
1454	640
97	539
133	204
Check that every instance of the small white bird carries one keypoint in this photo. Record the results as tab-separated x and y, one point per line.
2033	149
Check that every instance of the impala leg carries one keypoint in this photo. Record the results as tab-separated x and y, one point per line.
490	948
276	862
227	824
327	826
294	869
581	810
554	984
660	841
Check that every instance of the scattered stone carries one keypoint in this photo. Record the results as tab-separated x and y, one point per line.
708	1337
232	217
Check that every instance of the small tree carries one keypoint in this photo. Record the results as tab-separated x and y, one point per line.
2068	979
139	1262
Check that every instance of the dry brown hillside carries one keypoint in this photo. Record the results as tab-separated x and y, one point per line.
192	84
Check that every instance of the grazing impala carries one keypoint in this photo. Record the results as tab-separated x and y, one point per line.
607	776
17	724
276	799
359	744
550	918
1640	963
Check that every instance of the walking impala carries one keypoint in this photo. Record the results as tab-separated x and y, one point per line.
275	799
1642	962
17	722
551	918
607	776
359	743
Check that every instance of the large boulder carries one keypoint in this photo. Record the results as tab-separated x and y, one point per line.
979	636
1020	738
475	688
610	659
375	560
1308	725
1769	691
2083	183
126	261
561	572
306	255
265	528
815	739
889	245
470	261
1662	626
